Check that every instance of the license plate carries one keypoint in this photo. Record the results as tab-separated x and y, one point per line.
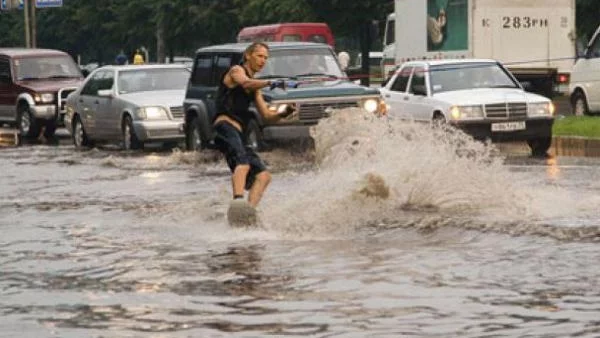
508	126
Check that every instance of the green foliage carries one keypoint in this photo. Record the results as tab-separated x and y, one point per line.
584	126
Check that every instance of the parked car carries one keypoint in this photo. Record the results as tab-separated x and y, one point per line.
584	86
319	87
34	84
132	104
481	97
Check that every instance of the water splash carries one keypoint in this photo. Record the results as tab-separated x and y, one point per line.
426	177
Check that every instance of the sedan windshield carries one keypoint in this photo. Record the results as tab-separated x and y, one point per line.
450	77
47	67
299	63
147	79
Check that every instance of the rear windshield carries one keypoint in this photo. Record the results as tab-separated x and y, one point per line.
46	67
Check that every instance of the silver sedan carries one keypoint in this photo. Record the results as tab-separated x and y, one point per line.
130	104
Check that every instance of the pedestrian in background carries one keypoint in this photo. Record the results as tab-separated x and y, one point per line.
138	59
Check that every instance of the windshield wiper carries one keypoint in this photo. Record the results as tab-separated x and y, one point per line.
318	74
25	78
502	86
61	76
274	77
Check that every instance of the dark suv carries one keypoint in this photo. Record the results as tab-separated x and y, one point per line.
34	84
319	87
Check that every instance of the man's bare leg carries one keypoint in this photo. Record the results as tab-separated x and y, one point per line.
261	182
238	179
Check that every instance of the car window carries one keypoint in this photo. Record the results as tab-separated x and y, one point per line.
291	37
107	81
317	38
46	67
417	82
5	71
222	64
152	79
202	74
93	84
461	76
594	50
401	81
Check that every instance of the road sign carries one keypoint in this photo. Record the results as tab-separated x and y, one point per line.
18	4
48	3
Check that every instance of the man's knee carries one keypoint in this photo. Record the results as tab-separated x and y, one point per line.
264	177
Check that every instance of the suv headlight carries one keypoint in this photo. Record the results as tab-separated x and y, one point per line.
466	112
278	108
44	98
152	113
540	109
374	106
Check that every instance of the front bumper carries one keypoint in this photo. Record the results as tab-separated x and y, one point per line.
286	132
159	130
482	130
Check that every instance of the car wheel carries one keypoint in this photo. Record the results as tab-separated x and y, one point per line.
438	120
130	140
80	138
27	123
539	146
193	136
579	104
254	136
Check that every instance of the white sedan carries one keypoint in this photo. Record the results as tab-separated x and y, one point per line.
479	96
130	104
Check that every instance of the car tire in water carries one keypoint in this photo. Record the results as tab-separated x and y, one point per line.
254	136
130	139
539	146
579	104
80	137
193	135
27	123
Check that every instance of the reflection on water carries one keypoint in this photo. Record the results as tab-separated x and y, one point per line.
465	242
575	146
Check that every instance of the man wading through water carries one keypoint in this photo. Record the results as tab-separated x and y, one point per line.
237	89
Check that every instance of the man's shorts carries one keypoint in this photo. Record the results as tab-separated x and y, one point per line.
231	143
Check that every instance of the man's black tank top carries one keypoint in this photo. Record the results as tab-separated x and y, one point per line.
234	102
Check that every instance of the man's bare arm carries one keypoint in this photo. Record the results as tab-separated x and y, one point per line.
238	75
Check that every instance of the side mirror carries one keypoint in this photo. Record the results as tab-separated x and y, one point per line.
105	93
527	85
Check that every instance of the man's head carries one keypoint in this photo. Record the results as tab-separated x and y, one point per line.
256	55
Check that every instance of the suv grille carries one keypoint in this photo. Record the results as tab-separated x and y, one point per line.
506	110
62	97
316	111
176	112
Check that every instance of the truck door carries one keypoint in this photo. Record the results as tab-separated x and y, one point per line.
418	102
396	96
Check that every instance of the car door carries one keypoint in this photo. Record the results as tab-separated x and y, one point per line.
84	106
107	114
588	74
418	102
7	104
395	94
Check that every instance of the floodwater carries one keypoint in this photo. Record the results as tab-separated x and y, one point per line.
469	240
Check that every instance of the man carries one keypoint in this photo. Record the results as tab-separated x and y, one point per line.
237	90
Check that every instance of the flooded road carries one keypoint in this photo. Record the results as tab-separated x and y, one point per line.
472	241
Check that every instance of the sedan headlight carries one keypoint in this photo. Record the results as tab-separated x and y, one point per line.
466	112
44	98
152	113
540	109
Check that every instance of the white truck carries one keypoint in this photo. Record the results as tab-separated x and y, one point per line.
535	39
